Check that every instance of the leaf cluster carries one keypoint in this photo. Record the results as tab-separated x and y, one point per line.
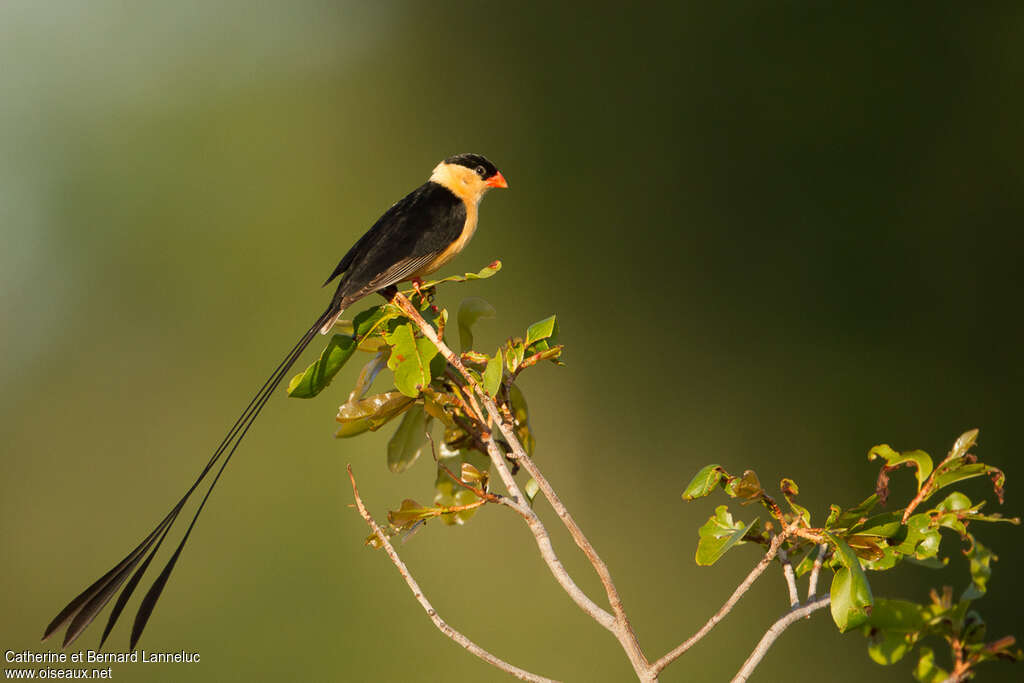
425	391
864	538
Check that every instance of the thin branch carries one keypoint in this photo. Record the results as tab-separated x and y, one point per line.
774	632
956	678
428	608
547	551
812	582
621	627
773	549
787	571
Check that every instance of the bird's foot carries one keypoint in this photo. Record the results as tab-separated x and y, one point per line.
416	284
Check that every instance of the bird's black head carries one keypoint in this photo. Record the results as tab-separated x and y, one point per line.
476	163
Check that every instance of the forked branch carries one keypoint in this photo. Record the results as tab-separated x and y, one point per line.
620	626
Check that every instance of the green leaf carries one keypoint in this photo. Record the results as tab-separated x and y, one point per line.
370	413
472	310
807	563
790	490
981	559
447	491
410	359
851	593
921	540
926	671
958	470
718	535
920	460
885	525
866	548
372	320
960	465
521	413
928	563
887	559
854	515
902	616
369	373
482	274
493	374
964	443
514	352
410	513
471	475
475	358
544	330
530	489
408	441
747	487
318	375
704	482
851	598
887	647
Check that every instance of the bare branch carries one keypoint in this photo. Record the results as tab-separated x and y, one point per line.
787	571
443	626
547	552
773	549
621	626
774	632
812	582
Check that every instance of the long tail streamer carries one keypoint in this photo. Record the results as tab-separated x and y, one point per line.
84	608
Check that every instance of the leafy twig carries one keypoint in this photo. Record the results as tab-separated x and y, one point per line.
621	627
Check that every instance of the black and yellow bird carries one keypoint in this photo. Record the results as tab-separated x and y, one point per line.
415	237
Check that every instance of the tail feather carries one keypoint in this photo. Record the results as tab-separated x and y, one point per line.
329	322
86	606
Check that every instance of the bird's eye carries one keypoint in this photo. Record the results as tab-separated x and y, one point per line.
480	171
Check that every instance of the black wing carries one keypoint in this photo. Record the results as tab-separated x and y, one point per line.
406	238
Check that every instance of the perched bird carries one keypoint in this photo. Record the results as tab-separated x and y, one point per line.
415	237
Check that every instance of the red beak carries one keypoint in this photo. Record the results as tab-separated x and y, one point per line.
496	180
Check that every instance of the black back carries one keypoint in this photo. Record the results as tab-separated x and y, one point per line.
410	234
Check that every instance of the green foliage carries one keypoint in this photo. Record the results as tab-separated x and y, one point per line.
318	375
482	274
408	441
470	467
861	539
425	390
857	540
493	375
851	595
410	359
370	414
719	534
472	310
704	482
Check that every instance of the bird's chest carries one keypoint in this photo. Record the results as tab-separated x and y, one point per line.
468	228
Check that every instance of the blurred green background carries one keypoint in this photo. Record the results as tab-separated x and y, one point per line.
775	235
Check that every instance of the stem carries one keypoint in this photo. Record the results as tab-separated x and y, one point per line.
812	582
773	549
774	632
443	626
621	627
787	571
